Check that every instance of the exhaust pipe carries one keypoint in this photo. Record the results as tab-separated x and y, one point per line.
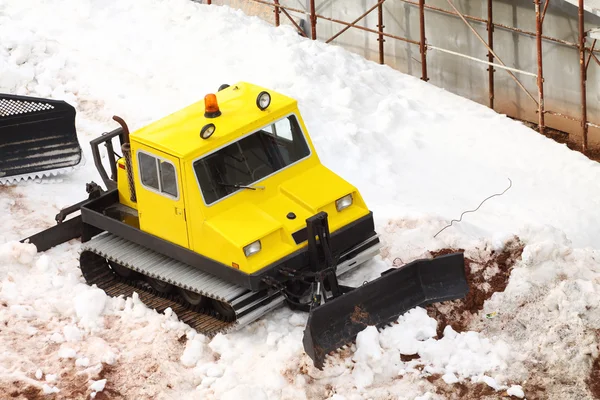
126	148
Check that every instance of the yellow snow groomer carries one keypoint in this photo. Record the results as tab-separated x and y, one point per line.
223	211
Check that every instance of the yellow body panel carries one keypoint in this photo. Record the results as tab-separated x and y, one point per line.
160	214
178	134
222	229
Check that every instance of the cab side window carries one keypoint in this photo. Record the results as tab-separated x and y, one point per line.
157	174
168	178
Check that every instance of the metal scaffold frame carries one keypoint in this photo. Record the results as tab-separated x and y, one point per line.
586	54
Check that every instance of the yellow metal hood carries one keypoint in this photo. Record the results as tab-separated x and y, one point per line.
316	188
297	199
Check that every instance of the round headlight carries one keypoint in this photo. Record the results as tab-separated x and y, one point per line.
263	100
207	131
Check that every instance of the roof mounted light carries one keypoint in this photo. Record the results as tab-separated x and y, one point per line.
263	100
207	131
211	107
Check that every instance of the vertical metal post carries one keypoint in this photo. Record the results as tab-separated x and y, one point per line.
313	20
583	74
491	70
277	11
422	44
540	71
380	26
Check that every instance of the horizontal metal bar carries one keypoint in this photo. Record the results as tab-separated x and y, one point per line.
557	114
496	25
362	28
481	61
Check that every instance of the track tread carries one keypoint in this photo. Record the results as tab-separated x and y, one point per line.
96	271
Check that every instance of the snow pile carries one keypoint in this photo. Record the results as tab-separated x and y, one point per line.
89	306
419	155
455	356
549	312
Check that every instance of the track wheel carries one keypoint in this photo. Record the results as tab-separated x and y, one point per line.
193	298
123	271
223	308
160	286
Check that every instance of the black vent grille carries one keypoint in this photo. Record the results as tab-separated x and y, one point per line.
10	107
300	236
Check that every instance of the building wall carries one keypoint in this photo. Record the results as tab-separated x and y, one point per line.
462	76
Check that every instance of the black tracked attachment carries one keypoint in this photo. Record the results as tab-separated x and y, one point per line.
336	323
37	137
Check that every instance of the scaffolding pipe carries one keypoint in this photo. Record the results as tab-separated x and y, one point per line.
482	61
595	58
540	74
508	70
497	25
584	125
422	41
353	23
491	55
380	26
313	20
587	63
490	30
545	9
337	21
298	28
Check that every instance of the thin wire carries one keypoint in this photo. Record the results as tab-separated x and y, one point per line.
471	211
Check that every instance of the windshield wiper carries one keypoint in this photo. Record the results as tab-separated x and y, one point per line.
237	186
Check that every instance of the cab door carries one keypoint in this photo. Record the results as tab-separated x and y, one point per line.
160	197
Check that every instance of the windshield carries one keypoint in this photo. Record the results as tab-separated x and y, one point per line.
250	159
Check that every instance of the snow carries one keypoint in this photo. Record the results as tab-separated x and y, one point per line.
192	353
516	391
82	362
47	389
98	386
449	378
419	155
89	306
72	333
67	352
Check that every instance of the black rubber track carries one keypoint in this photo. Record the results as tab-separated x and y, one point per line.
96	271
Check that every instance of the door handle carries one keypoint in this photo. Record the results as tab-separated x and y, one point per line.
180	212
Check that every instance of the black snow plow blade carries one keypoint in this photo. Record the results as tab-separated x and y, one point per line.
337	322
37	138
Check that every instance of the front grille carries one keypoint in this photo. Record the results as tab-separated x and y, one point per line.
301	235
